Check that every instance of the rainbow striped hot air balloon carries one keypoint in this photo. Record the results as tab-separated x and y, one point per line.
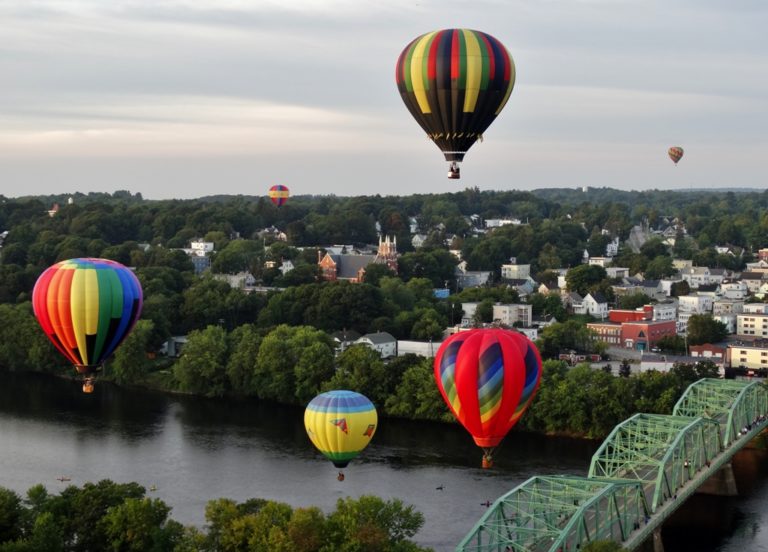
488	378
675	154
279	194
340	424
87	307
455	82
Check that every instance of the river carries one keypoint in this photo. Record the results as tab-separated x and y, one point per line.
194	450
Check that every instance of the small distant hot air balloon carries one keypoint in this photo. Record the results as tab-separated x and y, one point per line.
675	153
455	82
279	194
87	307
488	378
340	424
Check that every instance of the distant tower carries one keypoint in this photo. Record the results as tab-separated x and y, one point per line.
387	253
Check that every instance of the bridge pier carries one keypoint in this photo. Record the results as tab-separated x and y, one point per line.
722	483
658	544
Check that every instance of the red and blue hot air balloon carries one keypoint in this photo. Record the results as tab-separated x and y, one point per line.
279	194
87	307
488	378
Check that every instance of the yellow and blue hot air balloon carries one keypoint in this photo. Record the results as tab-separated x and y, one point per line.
340	424
87	307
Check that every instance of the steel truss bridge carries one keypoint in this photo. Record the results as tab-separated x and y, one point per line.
644	470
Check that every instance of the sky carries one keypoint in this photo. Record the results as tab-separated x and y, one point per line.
188	98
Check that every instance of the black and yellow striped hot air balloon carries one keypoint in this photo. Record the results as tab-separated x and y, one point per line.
455	82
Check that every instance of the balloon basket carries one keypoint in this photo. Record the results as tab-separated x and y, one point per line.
340	477
487	462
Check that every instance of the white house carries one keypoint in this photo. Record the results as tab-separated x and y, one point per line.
496	223
382	342
515	271
694	304
201	248
702	275
665	311
595	305
727	306
755	308
733	289
510	313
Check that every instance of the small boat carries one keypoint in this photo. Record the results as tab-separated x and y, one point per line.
153	487
63	478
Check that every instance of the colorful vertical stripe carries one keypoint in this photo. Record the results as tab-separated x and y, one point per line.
455	82
87	307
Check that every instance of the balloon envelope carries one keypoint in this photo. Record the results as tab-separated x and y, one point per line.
488	378
87	307
675	153
455	82
340	424
279	194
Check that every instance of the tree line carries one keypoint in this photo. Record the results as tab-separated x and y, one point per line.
121	517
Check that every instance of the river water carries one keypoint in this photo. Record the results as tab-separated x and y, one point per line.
194	450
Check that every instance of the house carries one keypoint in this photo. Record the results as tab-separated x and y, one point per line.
753	355
286	266
695	303
666	310
733	289
344	338
509	314
420	348
382	342
241	280
418	240
698	275
496	223
351	267
752	324
617	271
201	248
594	304
524	287
727	306
756	308
471	278
515	271
708	351
173	346
612	248
753	280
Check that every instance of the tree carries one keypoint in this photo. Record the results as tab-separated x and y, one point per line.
702	328
659	267
416	396
370	523
581	278
374	272
131	363
625	368
10	515
571	334
237	256
634	301
680	288
603	546
359	368
140	524
201	368
291	364
244	343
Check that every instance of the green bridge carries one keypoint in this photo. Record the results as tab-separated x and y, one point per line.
644	470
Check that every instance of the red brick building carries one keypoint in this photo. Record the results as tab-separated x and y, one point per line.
352	267
642	335
619	316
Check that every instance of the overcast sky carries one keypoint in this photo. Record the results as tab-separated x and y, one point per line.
189	98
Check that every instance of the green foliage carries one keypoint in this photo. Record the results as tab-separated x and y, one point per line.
291	364
23	345
416	396
703	328
571	334
359	368
201	368
130	363
634	301
110	516
584	278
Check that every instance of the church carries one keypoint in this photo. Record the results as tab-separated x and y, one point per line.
352	267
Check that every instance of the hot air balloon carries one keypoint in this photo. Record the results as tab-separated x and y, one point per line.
488	378
675	153
278	194
340	424
455	82
87	307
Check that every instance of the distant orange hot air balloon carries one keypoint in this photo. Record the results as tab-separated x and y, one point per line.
675	153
